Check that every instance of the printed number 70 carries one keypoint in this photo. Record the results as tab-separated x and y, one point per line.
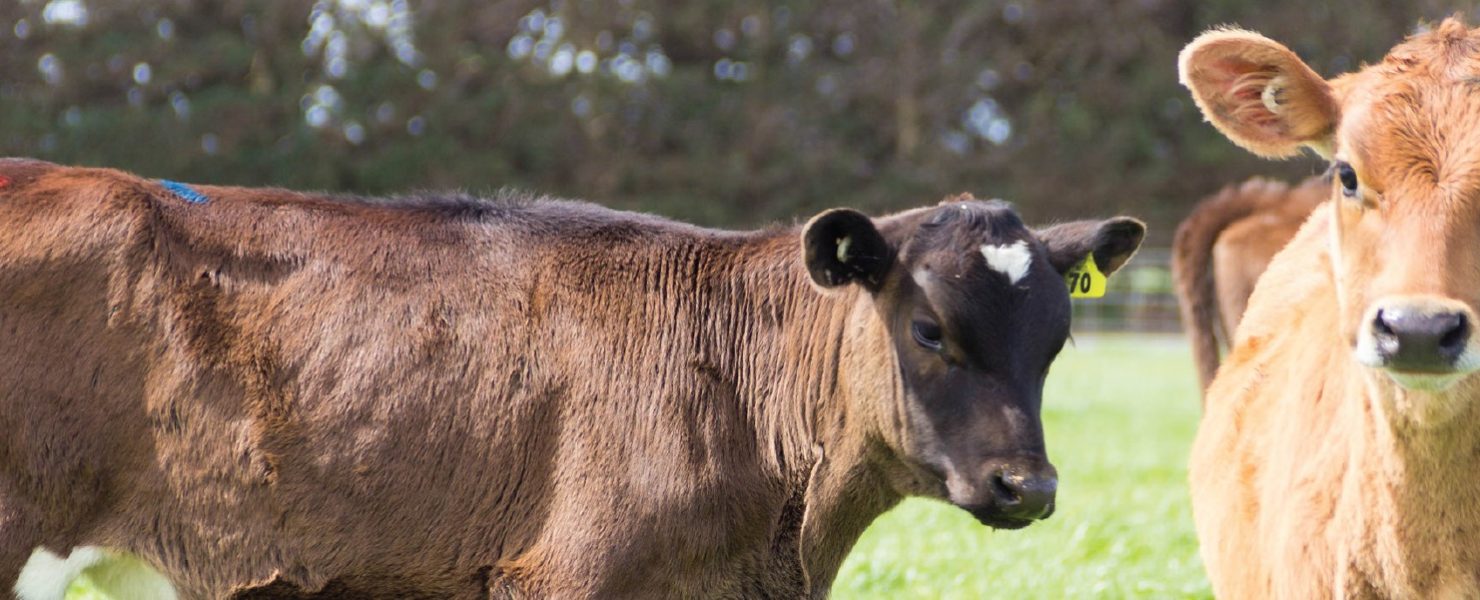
1079	282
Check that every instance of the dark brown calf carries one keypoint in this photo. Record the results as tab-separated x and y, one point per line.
270	393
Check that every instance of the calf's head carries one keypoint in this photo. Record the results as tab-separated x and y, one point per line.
1403	139
964	310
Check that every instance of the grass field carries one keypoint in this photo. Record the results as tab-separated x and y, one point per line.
1120	412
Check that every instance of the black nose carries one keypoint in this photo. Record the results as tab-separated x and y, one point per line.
1410	339
1019	496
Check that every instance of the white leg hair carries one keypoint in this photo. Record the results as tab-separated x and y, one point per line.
121	576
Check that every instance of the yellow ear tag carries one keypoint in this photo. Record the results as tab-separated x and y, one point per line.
1085	280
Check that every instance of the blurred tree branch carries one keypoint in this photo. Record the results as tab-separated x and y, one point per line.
724	112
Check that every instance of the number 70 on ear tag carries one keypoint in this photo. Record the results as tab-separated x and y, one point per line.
1085	279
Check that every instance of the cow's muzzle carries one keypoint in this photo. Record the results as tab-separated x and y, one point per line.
1421	342
1013	494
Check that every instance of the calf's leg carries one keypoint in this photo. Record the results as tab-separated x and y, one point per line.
19	536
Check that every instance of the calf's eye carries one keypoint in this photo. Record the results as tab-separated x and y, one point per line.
1348	178
927	334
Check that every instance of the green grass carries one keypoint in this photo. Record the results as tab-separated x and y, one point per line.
1119	414
82	588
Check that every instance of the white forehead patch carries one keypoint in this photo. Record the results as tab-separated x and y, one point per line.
1011	260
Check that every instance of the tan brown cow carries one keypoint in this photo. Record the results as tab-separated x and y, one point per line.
1220	250
263	393
1338	453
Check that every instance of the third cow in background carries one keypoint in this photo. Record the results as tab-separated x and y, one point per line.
1221	249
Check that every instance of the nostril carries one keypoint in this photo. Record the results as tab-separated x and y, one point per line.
1457	334
1419	338
1024	496
1006	494
1380	325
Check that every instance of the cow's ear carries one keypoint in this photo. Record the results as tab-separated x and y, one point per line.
842	246
1113	241
1259	93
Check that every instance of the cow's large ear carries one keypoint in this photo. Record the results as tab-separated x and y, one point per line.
842	246
1259	93
1113	241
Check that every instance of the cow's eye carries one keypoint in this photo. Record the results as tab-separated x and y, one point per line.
1348	178
927	334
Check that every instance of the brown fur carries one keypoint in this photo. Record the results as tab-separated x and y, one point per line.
1220	250
1314	475
276	394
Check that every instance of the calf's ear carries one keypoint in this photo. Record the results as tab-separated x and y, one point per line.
1113	242
842	246
1259	93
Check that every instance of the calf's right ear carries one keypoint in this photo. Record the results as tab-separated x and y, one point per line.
1259	93
842	246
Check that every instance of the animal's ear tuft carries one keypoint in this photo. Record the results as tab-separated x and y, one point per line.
1259	93
842	246
1113	242
952	199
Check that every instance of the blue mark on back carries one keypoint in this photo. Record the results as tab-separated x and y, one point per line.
185	192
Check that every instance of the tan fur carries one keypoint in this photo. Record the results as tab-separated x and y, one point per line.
276	394
1315	476
1220	250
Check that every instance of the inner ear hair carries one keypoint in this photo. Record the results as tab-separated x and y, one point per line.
1258	93
1117	241
842	246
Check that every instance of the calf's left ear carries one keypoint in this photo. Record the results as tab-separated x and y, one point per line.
842	246
1113	242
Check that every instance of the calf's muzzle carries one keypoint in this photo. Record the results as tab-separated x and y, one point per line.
1421	342
1419	336
1013	494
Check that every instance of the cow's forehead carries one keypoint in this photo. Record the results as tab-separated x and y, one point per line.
1420	137
972	222
972	236
1414	117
